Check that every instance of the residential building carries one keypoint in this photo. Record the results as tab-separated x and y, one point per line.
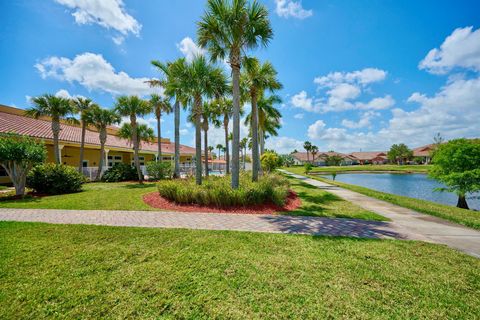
424	153
371	157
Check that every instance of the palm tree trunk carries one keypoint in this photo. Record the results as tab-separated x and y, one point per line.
103	139
261	140
177	139
159	137
82	146
56	132
198	140
254	128
133	122
205	142
227	148
462	202
235	64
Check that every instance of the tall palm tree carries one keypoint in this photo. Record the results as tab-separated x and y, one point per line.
219	148
209	113
307	145
243	146
269	119
203	81
101	118
258	78
314	151
133	107
56	108
228	29
160	105
144	133
226	109
82	106
174	84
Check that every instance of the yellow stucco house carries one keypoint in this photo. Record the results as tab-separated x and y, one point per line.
117	150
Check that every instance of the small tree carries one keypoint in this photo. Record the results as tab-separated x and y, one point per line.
400	153
270	161
457	165
333	160
307	167
288	160
18	154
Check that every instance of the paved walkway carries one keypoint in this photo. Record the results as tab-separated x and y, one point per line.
412	224
405	224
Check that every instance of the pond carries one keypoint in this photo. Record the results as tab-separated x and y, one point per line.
410	185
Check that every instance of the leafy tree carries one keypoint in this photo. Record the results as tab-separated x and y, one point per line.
399	153
457	165
287	160
56	108
307	167
270	161
18	155
228	29
333	160
160	105
82	106
101	118
133	107
307	145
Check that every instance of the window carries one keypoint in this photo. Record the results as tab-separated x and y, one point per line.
85	163
141	159
113	160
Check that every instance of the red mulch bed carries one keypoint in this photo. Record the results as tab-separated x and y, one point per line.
154	199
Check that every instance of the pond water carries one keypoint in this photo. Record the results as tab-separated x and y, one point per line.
410	185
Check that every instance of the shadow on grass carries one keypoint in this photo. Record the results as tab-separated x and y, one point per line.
139	186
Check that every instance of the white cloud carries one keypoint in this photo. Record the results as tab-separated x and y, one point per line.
283	145
365	120
109	14
290	8
94	73
344	91
189	48
298	116
460	49
302	101
359	77
377	103
184	132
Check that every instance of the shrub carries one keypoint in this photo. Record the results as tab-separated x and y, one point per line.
270	161
307	167
159	170
120	172
216	191
50	178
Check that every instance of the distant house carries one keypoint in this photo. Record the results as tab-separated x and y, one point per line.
300	158
424	152
372	157
347	160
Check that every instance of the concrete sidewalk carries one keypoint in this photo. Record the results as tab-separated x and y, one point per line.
408	222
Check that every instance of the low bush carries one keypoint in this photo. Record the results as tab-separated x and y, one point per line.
307	167
50	178
159	170
270	161
216	191
120	172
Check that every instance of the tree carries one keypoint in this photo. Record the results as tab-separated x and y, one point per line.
270	161
101	118
399	153
82	106
314	152
209	113
174	84
133	107
269	119
144	133
18	155
226	108
228	29
219	148
457	165
243	147
287	160
333	160
56	108
160	105
257	78
307	145
203	81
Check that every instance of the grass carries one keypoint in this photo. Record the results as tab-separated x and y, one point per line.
3	187
128	196
317	202
467	218
55	271
369	168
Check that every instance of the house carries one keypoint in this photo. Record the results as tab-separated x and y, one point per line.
424	153
347	160
372	157
117	150
300	158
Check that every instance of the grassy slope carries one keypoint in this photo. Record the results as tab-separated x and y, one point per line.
372	168
105	272
128	196
468	218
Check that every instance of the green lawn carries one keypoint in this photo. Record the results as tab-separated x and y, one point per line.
370	168
128	196
468	218
55	271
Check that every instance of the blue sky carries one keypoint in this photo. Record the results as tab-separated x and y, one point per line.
357	75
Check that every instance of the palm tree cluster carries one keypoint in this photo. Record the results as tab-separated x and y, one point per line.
310	148
228	31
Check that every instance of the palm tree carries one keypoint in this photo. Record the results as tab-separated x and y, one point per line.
228	29
314	151
257	78
160	105
56	108
82	106
269	119
243	146
209	113
307	145
226	109
175	86
101	118
144	133
203	80
219	148
133	107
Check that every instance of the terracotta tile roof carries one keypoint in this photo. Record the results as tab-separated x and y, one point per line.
368	155
333	153
42	129
423	151
302	156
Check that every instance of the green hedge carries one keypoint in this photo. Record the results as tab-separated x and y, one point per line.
50	178
159	170
216	191
120	172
